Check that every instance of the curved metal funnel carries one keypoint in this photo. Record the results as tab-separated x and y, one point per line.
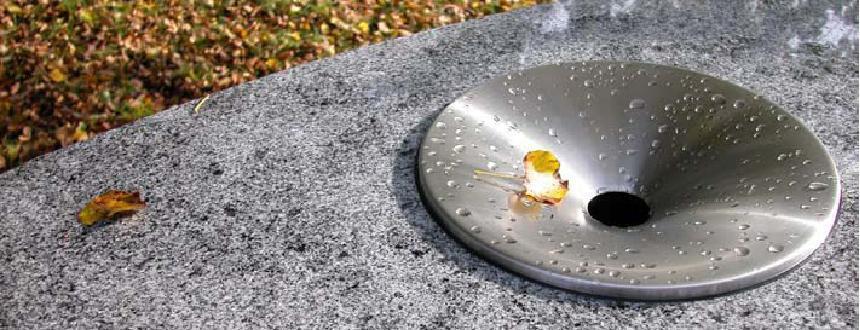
739	191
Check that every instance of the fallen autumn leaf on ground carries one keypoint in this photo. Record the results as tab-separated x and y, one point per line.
110	205
71	69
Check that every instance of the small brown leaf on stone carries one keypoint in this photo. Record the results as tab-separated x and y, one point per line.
110	205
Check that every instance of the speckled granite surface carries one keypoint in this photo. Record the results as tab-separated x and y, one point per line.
289	201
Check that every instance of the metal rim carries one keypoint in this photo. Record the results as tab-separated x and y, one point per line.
741	190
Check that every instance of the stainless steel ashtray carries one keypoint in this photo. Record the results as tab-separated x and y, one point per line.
734	190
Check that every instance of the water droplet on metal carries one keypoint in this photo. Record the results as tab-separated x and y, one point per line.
662	147
817	186
636	104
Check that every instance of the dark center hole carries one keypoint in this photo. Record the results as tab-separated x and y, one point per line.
620	209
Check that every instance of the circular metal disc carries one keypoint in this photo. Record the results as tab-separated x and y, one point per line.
739	190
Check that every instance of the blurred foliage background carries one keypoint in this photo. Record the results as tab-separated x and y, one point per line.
73	68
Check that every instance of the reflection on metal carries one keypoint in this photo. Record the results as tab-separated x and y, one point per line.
739	191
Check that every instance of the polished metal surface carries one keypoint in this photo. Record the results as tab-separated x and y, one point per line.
739	190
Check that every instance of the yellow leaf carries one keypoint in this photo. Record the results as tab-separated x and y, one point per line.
364	27
86	16
80	133
272	63
543	182
57	75
109	205
543	161
13	9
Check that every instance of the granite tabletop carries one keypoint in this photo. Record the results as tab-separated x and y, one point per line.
289	201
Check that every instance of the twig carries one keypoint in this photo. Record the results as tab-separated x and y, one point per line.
500	186
200	104
498	174
503	175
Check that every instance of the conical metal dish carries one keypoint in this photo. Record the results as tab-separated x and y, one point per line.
739	191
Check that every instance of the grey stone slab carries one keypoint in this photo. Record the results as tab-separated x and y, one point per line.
290	202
